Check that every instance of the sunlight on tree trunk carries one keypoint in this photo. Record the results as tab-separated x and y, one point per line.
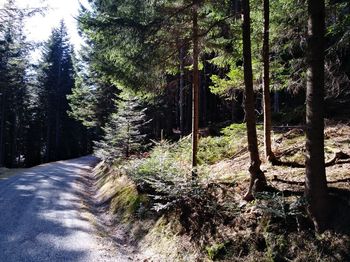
266	85
257	177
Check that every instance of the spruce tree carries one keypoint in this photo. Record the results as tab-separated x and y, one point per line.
63	136
257	177
124	133
14	63
140	43
92	98
316	189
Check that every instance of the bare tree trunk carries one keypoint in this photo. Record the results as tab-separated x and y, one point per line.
316	190
257	177
195	89
182	87
266	85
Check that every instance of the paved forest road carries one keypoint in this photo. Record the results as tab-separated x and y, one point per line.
40	216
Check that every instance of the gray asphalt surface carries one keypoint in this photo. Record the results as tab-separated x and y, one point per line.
40	217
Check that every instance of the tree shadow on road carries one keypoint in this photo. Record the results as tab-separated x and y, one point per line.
41	219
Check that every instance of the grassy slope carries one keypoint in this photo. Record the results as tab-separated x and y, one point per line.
171	219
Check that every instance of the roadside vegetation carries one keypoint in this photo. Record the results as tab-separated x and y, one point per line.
171	217
208	117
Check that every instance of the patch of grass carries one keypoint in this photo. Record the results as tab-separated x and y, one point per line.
127	200
176	157
164	242
299	157
291	116
235	130
216	251
213	149
276	245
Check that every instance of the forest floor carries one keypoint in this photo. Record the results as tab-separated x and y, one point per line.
163	216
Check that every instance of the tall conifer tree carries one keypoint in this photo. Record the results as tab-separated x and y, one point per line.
62	134
316	190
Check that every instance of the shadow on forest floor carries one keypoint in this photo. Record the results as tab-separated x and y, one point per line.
340	202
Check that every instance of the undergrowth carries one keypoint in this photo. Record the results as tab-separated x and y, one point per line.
203	219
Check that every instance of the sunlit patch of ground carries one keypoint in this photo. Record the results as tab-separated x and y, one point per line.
289	147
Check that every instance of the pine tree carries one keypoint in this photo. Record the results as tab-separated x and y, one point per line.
269	155
316	190
146	40
257	177
124	133
63	136
14	51
83	99
92	98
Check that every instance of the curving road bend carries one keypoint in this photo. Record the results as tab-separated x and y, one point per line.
40	217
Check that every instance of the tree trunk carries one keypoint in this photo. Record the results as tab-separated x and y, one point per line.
266	85
181	93
316	190
257	177
195	89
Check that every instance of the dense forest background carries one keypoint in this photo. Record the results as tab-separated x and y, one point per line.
151	72
146	48
35	126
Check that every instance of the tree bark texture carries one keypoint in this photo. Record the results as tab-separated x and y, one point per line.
266	85
257	177
195	89
181	92
316	191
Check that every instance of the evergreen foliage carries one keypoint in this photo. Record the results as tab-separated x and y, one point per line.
124	133
92	98
195	67
14	96
62	136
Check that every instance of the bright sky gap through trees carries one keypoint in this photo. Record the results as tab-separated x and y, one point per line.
39	27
